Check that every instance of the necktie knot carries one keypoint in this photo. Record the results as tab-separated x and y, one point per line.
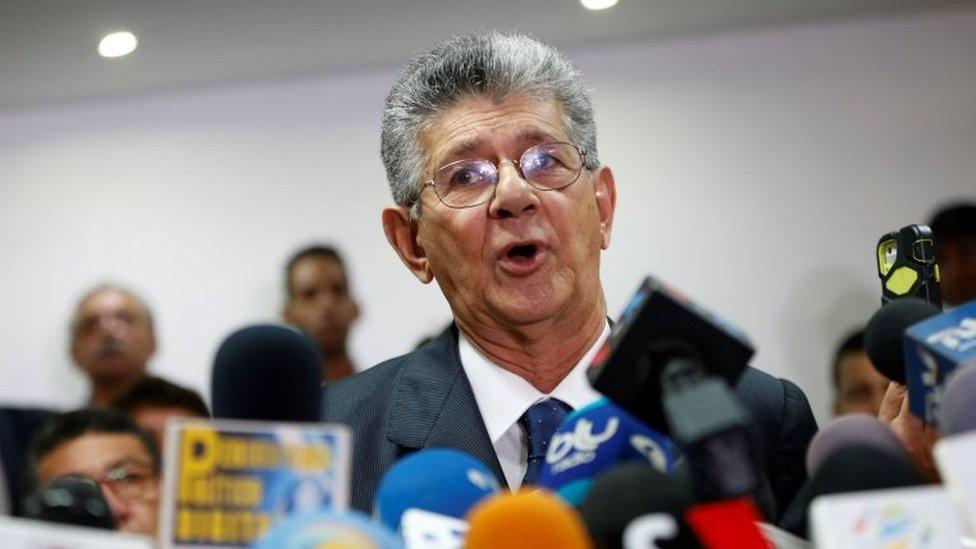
540	422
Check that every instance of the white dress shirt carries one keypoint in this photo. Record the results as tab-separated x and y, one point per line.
503	397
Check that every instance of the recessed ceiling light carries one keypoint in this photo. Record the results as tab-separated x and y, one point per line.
598	4
117	44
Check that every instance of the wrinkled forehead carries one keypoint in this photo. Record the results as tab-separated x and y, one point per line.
110	302
475	121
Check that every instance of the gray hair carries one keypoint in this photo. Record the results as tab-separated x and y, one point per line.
487	63
103	287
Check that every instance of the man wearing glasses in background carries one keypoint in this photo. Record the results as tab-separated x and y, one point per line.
489	144
105	447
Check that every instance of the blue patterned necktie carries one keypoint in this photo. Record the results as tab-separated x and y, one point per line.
539	422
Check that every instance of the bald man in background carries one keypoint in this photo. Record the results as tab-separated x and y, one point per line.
112	340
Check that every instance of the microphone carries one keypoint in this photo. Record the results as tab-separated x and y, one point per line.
885	334
731	524
628	370
328	529
438	480
849	430
594	439
267	372
638	502
670	363
525	519
934	349
853	468
958	411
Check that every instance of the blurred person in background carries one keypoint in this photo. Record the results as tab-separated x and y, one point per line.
954	229
858	386
112	340
320	304
153	400
108	448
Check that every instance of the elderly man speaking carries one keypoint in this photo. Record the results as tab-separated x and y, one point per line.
489	144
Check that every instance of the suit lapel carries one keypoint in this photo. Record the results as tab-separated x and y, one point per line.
434	406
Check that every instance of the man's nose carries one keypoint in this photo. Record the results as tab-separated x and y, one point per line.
513	194
119	507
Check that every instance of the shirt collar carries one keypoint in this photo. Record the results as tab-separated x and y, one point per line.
503	396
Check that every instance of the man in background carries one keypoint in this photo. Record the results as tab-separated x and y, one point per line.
858	386
954	228
153	400
320	304
112	340
108	448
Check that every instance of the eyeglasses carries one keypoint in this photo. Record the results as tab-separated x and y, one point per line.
128	483
471	182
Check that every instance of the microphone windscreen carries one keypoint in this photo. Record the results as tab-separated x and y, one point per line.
885	333
854	468
267	372
525	519
628	491
328	529
439	480
958	407
594	439
848	430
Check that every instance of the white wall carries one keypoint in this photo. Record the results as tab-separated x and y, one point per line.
755	170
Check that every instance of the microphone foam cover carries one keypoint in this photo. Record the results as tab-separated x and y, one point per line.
885	333
958	408
857	467
267	372
627	491
525	519
594	439
439	480
851	429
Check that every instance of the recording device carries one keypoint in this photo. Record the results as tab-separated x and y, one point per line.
70	500
854	468
636	505
526	518
907	265
438	480
848	430
670	363
657	322
267	372
731	524
934	349
884	335
594	439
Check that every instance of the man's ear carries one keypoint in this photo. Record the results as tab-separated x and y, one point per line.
401	232
605	191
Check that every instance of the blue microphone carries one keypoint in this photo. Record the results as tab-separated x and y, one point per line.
594	439
439	480
934	349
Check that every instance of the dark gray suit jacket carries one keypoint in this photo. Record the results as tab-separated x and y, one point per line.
423	399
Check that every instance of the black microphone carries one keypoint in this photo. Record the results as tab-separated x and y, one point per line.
267	372
885	334
670	362
633	490
853	468
70	500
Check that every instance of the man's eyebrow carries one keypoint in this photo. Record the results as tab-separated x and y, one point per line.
128	461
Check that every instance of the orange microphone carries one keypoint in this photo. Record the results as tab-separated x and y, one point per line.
529	519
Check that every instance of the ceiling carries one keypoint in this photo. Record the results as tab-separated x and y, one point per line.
47	47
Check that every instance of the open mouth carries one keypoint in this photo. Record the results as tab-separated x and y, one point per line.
522	252
522	259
